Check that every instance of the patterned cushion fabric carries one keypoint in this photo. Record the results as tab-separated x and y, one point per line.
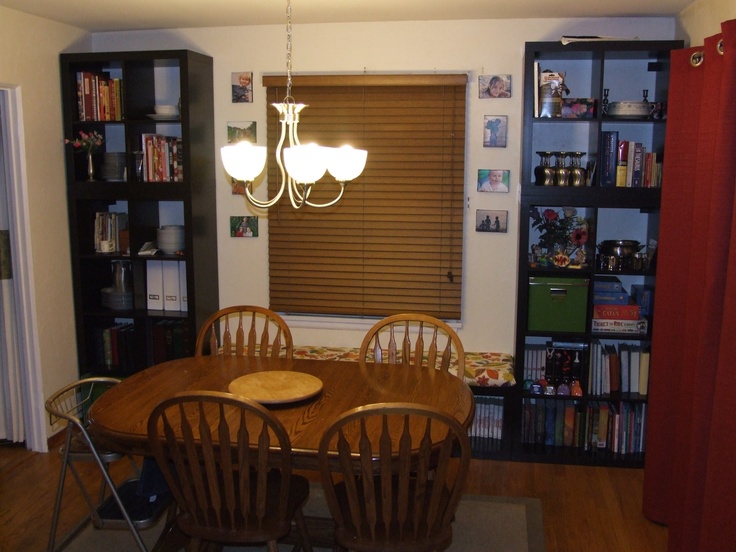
481	369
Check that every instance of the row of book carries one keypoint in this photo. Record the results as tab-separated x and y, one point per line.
488	421
622	367
99	97
618	427
119	347
162	158
109	233
606	368
628	164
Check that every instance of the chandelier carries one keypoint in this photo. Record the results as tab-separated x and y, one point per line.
301	166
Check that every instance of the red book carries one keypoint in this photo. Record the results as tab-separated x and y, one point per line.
617	312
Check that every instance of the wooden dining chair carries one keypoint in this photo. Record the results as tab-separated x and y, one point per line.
393	475
417	339
258	331
227	461
70	405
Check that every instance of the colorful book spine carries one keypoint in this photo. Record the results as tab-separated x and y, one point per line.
622	163
602	325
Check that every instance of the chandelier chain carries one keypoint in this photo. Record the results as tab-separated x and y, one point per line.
288	49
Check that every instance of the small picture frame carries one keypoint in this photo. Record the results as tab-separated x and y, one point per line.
242	86
243	227
494	86
495	129
493	180
491	221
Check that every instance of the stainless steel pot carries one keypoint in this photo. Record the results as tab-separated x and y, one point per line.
618	255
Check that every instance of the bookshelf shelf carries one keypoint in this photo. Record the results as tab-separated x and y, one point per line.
140	80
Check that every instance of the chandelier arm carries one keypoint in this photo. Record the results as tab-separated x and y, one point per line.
257	202
343	185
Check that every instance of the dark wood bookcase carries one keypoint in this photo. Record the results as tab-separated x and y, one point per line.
175	77
617	71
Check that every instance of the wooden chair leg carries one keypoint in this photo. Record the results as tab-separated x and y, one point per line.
301	524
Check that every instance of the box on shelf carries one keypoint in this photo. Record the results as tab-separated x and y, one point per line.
608	284
643	295
602	325
557	304
610	298
578	108
617	312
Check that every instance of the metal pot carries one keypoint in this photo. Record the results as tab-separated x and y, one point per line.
620	255
620	248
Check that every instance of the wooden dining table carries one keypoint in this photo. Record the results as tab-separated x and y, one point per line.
118	419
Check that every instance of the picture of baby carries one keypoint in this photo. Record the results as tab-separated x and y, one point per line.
493	180
242	85
494	86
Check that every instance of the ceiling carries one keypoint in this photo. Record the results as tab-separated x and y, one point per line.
125	15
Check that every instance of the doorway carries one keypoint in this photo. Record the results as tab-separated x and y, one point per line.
22	416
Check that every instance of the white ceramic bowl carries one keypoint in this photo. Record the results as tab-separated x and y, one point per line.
165	110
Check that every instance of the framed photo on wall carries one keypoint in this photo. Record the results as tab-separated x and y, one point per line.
494	86
242	86
493	180
244	227
495	128
491	221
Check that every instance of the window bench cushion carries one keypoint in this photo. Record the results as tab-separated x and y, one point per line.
481	369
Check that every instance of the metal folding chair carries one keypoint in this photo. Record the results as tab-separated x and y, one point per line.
72	404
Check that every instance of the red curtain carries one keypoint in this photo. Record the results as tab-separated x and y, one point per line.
690	467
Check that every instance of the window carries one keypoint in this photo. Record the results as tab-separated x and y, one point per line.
394	242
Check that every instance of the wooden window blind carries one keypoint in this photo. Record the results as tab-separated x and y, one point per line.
394	242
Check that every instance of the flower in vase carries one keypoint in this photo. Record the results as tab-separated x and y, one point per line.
579	236
88	142
561	232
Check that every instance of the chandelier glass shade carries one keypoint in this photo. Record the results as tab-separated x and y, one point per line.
300	166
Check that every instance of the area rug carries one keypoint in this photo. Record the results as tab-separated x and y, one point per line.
482	523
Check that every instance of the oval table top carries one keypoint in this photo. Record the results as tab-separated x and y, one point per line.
118	418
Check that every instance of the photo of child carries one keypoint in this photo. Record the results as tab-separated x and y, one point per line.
244	227
242	86
494	86
493	180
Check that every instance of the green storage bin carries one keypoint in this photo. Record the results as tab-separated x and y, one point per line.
557	304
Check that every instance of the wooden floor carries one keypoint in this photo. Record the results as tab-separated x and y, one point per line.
588	509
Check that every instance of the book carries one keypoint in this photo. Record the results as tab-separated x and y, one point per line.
170	275
609	154
637	169
602	433
634	367
604	325
614	370
155	285
569	424
622	162
644	372
620	312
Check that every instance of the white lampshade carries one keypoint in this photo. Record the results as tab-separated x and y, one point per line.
346	163
243	161
306	164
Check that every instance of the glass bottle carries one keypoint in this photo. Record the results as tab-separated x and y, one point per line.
544	174
577	173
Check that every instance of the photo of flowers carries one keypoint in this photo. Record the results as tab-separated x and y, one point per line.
491	221
243	227
493	180
495	128
239	131
494	86
242	86
559	237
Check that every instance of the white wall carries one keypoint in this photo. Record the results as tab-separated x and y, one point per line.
29	65
703	18
475	47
